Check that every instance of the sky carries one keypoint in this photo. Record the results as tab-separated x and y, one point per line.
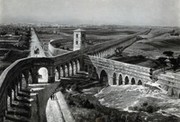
95	12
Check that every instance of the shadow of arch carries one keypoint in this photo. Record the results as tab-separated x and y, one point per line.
43	74
139	82
133	81
114	79
120	80
103	77
126	80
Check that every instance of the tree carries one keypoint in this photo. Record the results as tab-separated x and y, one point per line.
174	63
162	62
168	53
118	51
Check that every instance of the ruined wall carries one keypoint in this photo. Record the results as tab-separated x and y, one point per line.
170	82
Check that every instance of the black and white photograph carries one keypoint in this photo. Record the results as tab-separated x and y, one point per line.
89	60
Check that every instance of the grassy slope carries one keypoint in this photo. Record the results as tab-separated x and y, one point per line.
154	47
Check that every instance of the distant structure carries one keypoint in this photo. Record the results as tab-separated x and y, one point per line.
79	41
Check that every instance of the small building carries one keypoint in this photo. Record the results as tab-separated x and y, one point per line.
79	40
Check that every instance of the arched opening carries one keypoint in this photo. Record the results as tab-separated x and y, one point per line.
94	74
43	74
24	82
139	82
77	65
61	71
66	70
70	69
114	79
30	79
120	80
74	67
126	80
133	81
103	77
57	75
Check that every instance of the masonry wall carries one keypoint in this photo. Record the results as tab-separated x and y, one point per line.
56	51
111	66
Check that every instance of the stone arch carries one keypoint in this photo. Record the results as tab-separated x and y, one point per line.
133	81
114	79
120	79
126	80
43	74
139	82
104	77
74	67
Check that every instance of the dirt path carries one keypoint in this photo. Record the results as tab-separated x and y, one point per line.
36	49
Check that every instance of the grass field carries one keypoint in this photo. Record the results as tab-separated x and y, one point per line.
95	35
159	39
